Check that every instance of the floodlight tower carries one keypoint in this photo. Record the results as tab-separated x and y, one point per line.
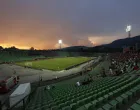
60	43
128	29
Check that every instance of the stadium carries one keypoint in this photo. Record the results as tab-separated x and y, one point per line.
70	55
70	80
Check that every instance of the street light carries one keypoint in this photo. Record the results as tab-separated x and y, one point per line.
60	43
128	29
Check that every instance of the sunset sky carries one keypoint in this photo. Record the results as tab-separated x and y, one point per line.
41	23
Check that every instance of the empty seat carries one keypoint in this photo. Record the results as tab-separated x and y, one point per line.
135	106
107	107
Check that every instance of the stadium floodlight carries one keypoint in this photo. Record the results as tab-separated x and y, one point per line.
60	43
128	29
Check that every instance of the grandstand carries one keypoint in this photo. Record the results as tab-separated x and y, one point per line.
6	56
104	93
109	93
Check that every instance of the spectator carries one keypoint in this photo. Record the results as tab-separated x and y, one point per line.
136	67
134	64
41	78
56	77
111	72
103	72
78	83
48	87
122	71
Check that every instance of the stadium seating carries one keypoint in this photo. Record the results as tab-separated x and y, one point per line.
103	94
135	106
108	93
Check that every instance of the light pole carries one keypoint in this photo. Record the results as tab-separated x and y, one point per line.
128	29
60	43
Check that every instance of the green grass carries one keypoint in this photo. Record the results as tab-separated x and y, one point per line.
56	64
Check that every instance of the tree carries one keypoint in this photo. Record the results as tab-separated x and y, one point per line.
1	48
32	48
13	48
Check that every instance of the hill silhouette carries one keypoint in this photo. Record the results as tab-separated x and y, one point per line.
124	42
116	45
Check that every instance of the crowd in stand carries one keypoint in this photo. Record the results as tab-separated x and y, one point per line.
121	62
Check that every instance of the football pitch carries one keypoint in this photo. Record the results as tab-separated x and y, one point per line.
55	64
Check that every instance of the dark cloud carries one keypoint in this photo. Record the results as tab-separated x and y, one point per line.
77	22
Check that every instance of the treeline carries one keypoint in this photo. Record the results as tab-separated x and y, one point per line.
70	51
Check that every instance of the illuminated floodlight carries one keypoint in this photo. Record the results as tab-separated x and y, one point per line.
60	41
128	28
